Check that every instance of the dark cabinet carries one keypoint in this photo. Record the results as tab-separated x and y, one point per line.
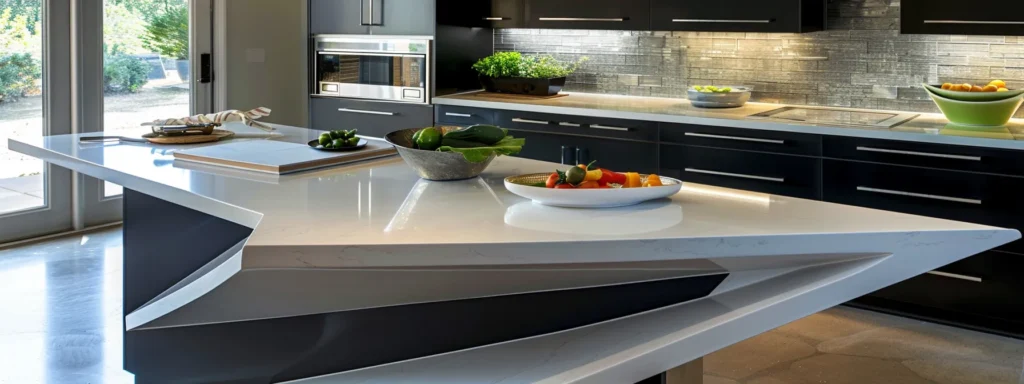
958	17
481	13
380	17
337	17
619	155
971	197
369	117
589	14
738	15
742	139
463	116
752	171
578	125
953	157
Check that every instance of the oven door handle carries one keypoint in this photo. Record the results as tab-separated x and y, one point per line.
365	112
357	53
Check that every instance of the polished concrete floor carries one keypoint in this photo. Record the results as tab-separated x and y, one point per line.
60	322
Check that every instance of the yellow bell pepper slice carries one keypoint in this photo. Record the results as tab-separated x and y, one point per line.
633	180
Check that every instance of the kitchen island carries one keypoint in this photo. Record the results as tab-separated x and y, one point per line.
367	274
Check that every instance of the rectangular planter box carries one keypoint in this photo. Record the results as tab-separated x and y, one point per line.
523	86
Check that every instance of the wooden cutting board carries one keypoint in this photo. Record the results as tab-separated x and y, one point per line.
217	135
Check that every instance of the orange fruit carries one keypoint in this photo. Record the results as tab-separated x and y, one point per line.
990	88
965	87
998	83
947	86
977	88
1002	90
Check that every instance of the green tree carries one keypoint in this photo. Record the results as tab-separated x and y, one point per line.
167	33
123	28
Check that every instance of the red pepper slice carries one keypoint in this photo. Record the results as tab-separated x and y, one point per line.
609	177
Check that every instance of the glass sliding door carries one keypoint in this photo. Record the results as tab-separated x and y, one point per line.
35	198
146	71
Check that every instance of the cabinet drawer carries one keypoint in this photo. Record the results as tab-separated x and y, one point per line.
370	118
452	115
618	155
589	14
992	266
743	139
956	157
987	298
578	125
760	172
980	17
738	15
971	197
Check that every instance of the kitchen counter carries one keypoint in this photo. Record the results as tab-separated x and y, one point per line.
928	128
287	278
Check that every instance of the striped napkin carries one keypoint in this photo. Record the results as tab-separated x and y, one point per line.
248	118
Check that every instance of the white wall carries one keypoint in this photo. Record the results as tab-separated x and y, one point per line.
260	58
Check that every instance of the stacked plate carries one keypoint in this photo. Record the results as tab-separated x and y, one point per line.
976	108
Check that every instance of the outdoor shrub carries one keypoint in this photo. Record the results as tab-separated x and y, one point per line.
167	33
18	74
123	73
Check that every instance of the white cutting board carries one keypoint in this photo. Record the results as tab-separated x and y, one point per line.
279	157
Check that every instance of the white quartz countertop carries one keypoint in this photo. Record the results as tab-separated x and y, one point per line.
927	127
384	203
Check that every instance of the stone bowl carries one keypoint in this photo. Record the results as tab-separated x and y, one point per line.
434	165
737	98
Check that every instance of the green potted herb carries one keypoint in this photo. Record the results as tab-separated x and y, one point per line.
511	72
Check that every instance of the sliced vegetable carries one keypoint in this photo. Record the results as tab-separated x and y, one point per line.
590	184
507	146
593	175
653	181
632	180
609	177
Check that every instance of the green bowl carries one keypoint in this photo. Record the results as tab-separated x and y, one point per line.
985	113
974	96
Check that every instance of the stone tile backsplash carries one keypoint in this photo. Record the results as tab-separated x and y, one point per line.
860	61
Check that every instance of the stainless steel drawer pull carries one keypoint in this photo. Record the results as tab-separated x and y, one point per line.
982	22
581	19
770	141
608	127
775	179
719	21
564	124
528	121
912	153
496	18
956	276
366	112
457	114
921	195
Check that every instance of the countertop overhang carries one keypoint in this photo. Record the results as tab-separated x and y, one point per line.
926	128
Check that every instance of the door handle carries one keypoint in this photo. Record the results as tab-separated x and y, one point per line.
497	18
979	22
453	114
365	112
528	121
921	195
913	153
765	21
955	276
582	18
568	155
365	12
756	140
740	175
609	127
564	124
205	68
374	10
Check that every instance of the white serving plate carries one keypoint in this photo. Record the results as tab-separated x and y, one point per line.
590	198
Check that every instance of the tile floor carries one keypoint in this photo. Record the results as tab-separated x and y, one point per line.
60	322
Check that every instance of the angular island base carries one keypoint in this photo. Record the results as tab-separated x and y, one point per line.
367	274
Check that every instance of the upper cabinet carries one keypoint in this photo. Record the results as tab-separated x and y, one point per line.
738	15
481	13
589	14
377	17
960	17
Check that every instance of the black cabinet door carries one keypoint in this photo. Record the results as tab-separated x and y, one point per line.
742	139
959	17
752	171
337	17
956	157
369	117
505	14
618	155
971	197
589	14
402	17
738	15
463	116
578	125
481	13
